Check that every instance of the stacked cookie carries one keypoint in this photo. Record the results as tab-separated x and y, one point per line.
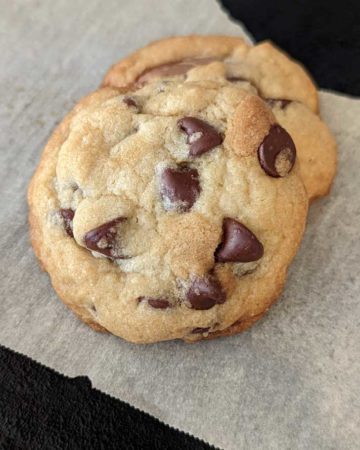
169	203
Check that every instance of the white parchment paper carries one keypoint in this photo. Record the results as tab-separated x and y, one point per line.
293	380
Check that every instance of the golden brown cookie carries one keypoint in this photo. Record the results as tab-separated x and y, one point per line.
172	210
315	144
263	69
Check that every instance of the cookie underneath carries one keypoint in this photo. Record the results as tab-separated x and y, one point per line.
282	82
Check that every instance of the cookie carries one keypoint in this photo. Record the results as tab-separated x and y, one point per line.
169	211
262	68
315	144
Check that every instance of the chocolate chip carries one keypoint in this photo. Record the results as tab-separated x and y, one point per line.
202	137
238	244
164	70
129	101
277	153
200	330
173	69
204	293
68	215
282	103
180	186
103	239
235	79
158	303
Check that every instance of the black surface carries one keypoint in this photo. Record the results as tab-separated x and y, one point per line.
41	409
323	34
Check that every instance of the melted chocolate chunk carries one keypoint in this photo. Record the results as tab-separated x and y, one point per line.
68	215
180	186
204	293
103	239
202	137
173	68
238	244
277	152
157	303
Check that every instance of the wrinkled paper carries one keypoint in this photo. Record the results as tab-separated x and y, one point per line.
293	380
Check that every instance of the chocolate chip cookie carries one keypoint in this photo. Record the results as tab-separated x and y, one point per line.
263	69
170	209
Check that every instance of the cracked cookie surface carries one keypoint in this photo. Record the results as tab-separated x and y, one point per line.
169	210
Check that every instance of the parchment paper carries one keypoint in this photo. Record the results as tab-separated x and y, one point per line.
292	381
